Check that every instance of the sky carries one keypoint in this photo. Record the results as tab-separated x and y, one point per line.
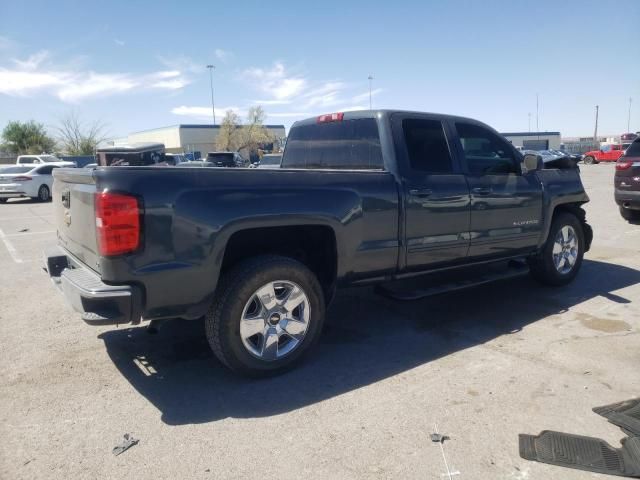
136	65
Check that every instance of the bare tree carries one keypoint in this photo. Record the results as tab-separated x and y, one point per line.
228	131
245	138
78	138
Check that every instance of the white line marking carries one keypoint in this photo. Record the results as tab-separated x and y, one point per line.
10	247
28	233
449	473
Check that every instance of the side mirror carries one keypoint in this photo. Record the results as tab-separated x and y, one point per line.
531	163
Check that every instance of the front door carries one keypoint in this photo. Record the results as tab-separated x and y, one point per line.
436	196
506	206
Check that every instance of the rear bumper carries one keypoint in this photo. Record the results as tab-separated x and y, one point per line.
97	302
628	199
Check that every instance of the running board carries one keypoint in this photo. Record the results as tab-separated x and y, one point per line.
416	292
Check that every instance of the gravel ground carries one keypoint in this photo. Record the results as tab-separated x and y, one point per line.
483	365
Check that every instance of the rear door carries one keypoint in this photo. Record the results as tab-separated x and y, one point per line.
435	192
506	206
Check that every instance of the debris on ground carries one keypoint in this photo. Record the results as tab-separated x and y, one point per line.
23	230
126	444
439	438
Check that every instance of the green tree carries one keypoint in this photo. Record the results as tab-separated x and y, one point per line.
78	138
26	137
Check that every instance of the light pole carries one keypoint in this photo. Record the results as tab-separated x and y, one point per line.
537	115
595	131
213	108
370	77
629	117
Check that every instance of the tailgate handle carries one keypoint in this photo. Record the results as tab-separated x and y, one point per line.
420	192
482	190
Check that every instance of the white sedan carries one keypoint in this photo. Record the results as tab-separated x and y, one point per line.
26	181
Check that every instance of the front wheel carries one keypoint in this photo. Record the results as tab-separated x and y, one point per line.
3	200
561	257
630	215
589	160
267	313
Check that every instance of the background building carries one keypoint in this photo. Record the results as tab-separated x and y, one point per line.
186	138
534	140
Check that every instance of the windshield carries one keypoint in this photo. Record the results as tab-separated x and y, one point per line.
8	170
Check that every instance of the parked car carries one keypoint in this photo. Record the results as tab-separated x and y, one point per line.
270	160
42	159
627	182
32	181
607	153
174	158
361	198
227	159
196	163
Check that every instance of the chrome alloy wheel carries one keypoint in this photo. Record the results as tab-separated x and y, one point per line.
565	249
275	320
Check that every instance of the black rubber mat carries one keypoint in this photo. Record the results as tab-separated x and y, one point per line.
625	414
583	453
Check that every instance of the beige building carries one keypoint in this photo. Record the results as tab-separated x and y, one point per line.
534	140
186	138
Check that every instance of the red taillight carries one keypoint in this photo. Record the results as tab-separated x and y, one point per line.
623	164
22	179
331	117
117	223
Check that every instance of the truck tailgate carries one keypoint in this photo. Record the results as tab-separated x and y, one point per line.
73	200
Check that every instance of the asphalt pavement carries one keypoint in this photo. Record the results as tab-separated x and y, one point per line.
480	365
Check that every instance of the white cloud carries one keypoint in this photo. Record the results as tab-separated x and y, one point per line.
71	83
223	55
204	113
120	43
365	96
271	102
181	63
352	108
289	114
276	81
33	62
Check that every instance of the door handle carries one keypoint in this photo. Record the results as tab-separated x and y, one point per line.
420	192
482	190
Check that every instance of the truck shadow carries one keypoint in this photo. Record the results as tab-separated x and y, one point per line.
367	339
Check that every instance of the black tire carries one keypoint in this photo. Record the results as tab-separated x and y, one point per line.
44	195
542	266
630	215
589	160
3	200
235	290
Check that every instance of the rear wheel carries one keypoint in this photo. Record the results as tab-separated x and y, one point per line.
43	193
268	312
560	259
630	215
3	200
589	160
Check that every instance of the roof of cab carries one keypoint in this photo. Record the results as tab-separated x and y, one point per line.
356	114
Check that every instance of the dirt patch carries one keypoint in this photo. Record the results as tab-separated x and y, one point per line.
602	324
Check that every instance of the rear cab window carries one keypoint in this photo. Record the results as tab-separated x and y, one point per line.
337	145
633	150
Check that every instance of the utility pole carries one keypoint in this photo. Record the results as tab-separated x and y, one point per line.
529	122
370	77
595	132
629	117
213	108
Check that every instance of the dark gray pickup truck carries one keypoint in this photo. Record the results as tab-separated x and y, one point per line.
361	198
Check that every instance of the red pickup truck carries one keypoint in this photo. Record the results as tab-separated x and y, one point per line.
607	153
